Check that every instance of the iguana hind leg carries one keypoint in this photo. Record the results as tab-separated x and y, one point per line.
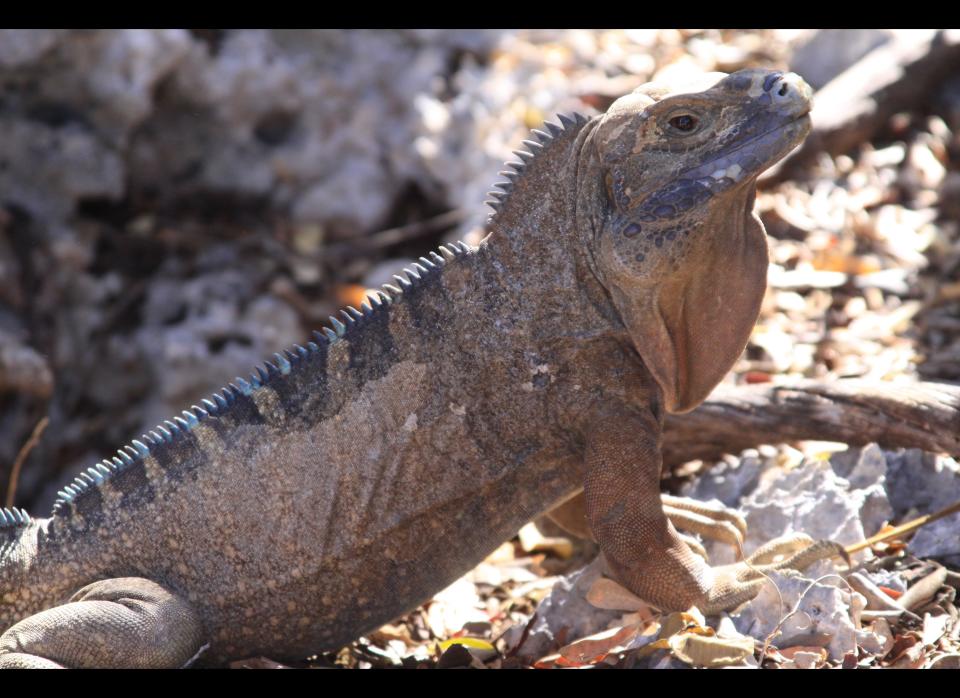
126	622
641	545
571	516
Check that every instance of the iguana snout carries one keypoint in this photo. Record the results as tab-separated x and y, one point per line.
679	247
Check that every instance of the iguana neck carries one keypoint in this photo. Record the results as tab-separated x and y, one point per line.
540	251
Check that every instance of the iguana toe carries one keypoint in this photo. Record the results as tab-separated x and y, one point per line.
740	582
710	521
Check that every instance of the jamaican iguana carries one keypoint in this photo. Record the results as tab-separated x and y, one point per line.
348	480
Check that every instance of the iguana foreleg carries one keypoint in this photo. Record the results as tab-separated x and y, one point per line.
641	546
710	521
127	622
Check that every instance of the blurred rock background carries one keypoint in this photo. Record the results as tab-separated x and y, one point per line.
176	205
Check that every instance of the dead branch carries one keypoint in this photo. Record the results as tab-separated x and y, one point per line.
22	456
912	415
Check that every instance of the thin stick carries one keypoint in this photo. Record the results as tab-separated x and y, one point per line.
392	236
22	456
903	529
410	231
768	640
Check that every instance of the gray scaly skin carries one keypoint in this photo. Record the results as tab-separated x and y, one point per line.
351	479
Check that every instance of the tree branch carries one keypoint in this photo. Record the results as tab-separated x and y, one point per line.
912	415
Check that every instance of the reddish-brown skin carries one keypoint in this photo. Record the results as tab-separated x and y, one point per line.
369	472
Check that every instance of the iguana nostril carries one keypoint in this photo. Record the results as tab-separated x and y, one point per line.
770	80
790	92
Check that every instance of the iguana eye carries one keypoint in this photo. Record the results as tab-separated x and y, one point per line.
684	122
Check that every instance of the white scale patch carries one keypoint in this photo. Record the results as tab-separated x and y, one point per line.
267	402
733	172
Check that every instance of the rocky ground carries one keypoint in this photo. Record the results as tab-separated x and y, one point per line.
177	205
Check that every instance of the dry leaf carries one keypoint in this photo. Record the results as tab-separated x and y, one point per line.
682	621
704	650
481	649
258	663
946	661
469	642
594	648
391	632
911	658
790	652
351	294
652	647
532	539
502	554
892	593
881	633
804	657
752	377
933	628
548	662
907	649
606	593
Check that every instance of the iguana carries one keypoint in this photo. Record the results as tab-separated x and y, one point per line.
348	480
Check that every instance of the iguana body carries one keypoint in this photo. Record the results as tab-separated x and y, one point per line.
355	477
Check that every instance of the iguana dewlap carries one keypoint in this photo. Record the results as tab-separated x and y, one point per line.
349	480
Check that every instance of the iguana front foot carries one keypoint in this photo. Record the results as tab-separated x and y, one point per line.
739	582
127	622
643	549
712	521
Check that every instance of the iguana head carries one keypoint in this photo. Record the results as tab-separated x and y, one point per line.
676	241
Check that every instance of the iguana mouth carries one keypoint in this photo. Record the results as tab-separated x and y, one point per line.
728	166
729	170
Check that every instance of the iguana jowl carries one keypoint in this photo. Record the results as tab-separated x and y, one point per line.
349	480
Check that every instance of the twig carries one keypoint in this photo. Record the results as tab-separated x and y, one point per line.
410	231
779	626
22	456
903	529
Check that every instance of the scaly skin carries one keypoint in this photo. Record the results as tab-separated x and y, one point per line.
360	475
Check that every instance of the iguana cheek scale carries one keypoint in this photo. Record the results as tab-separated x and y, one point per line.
348	480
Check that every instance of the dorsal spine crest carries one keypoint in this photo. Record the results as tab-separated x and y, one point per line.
282	365
516	170
13	518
